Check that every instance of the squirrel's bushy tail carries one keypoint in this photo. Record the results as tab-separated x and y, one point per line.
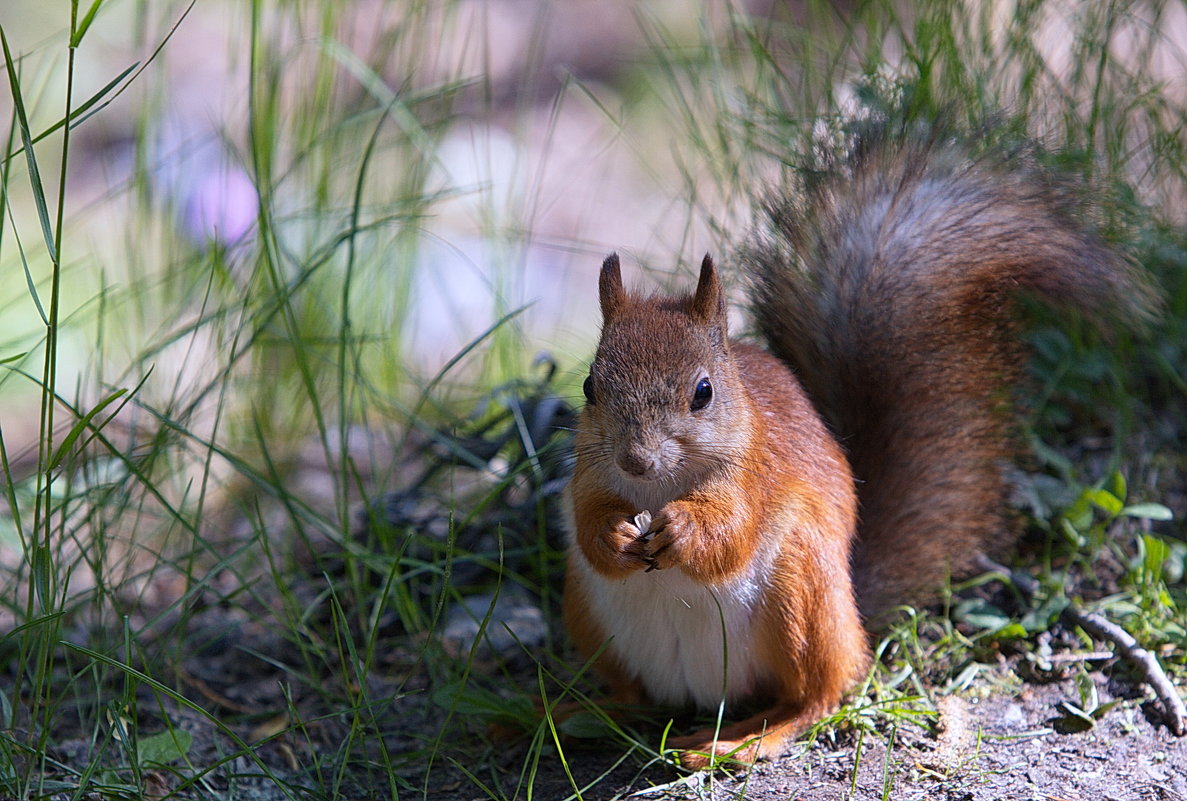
888	284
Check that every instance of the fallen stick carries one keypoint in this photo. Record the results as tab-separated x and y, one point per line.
1174	713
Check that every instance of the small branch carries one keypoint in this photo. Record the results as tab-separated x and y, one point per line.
1173	711
1094	656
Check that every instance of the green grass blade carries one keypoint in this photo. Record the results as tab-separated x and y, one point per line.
85	24
81	426
80	113
26	137
29	282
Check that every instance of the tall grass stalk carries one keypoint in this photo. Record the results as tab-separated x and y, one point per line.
45	603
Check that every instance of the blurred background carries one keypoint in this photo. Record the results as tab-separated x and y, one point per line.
414	172
255	192
480	146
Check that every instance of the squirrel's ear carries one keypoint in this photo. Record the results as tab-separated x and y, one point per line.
610	291
708	304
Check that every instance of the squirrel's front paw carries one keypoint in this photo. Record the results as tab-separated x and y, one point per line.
671	528
626	549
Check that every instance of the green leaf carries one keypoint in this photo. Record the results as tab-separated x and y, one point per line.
465	698
1117	485
1110	503
1071	531
16	238
964	679
981	614
5	711
15	358
164	748
1076	719
27	139
585	726
1156	552
32	285
79	114
1102	709
84	24
1014	631
1042	617
81	426
1148	511
41	565
1089	696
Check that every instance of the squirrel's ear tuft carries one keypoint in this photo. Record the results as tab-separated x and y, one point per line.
610	290
708	304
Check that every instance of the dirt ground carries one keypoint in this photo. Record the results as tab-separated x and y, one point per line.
996	747
987	744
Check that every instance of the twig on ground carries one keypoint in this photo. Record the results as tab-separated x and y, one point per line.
1174	713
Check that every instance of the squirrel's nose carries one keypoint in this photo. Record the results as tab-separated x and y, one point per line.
633	464
640	462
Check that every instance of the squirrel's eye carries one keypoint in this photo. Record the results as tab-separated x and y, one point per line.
702	394
587	388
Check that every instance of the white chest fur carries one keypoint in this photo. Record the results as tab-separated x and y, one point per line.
685	642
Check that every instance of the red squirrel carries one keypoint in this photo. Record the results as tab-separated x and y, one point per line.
798	492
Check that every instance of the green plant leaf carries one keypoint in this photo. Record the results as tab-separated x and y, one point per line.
1071	531
585	726
41	564
85	24
981	614
1076	719
5	711
27	139
465	698
1089	696
32	286
1103	709
84	111
1117	485
1148	511
1013	631
1042	617
81	426
1155	552
1105	500
163	748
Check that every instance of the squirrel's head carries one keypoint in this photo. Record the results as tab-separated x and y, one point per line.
662	396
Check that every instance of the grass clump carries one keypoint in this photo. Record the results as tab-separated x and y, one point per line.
157	517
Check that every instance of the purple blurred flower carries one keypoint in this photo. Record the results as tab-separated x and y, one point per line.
220	206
